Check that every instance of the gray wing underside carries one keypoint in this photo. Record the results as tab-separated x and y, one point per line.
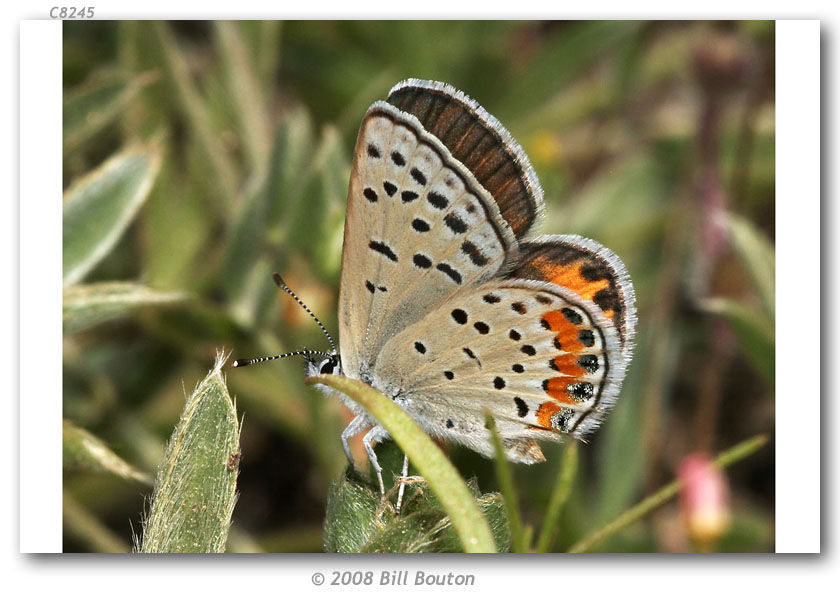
419	229
502	353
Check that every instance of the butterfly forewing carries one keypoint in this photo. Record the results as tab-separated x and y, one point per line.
419	229
477	139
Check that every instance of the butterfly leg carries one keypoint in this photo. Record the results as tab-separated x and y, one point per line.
355	426
402	483
376	434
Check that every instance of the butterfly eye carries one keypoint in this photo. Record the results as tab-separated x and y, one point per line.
329	366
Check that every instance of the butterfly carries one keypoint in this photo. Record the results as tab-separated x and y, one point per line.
449	306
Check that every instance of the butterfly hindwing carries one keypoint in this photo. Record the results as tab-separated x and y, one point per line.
544	361
419	228
587	268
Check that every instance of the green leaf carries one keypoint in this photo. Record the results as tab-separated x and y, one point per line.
757	255
195	487
754	332
444	481
81	450
99	208
90	108
87	305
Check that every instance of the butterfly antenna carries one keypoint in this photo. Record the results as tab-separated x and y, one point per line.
282	285
244	362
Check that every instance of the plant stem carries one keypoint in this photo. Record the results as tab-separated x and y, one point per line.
657	499
518	540
562	488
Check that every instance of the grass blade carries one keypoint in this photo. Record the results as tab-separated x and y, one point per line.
754	332
90	108
99	208
195	488
87	305
431	463
84	451
83	525
221	166
758	257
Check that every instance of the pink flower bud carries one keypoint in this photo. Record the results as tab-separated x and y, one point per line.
704	499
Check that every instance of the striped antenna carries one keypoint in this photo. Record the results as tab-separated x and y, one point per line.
282	285
244	362
252	361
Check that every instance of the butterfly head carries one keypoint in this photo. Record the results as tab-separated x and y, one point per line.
318	365
317	362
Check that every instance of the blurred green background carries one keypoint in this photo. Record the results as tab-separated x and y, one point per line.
655	138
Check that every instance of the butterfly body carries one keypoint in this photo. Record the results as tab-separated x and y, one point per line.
449	306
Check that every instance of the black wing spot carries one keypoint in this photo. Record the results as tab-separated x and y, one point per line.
439	201
459	315
482	327
455	223
409	196
515	335
491	299
417	175
557	344
519	307
521	406
517	368
420	347
422	261
529	349
373	151
586	337
383	248
381	288
397	158
543	299
420	225
389	188
582	390
471	250
449	375
572	316
449	424
453	274
545	324
369	286
370	195
589	362
499	383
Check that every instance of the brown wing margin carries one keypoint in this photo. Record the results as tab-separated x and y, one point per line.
481	143
587	268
